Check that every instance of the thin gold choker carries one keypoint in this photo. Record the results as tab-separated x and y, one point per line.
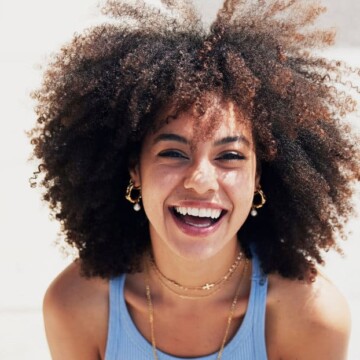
206	287
229	320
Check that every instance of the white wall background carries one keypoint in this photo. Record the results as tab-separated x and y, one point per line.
29	31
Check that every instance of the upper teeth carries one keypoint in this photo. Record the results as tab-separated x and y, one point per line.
213	213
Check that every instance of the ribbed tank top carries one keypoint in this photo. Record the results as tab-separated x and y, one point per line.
125	342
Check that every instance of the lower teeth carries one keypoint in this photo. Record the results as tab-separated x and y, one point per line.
196	221
199	225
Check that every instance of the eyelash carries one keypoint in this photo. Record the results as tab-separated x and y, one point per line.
172	154
229	156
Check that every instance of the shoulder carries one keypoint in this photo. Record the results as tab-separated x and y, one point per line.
76	315
307	320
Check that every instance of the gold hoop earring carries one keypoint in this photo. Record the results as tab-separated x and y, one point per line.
262	202
128	195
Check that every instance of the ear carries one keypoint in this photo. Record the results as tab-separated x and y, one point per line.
257	179
135	175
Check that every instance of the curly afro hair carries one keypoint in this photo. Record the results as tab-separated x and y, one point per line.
101	94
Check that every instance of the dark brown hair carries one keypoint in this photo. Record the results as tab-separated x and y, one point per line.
102	91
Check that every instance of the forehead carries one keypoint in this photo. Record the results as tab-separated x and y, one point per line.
211	118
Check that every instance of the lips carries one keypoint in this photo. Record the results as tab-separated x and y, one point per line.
197	221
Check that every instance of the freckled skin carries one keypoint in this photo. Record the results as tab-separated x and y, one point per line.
223	174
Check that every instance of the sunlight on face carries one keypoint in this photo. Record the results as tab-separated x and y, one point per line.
197	190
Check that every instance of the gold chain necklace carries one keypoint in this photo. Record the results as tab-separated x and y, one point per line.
185	296
207	287
229	320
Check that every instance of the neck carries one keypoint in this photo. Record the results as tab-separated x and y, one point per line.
194	273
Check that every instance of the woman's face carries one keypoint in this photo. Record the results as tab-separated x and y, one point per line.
197	195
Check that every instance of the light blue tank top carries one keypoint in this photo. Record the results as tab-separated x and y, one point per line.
125	342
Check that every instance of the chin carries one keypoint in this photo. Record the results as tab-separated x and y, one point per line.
195	249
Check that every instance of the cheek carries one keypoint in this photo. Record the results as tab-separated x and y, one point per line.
240	187
243	180
157	185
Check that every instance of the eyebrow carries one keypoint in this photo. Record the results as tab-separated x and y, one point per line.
232	139
183	140
170	137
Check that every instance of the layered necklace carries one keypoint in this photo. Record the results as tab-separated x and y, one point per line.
231	311
200	291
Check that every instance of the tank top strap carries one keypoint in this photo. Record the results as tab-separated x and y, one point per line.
114	326
257	273
260	287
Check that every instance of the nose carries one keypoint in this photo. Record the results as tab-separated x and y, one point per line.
201	177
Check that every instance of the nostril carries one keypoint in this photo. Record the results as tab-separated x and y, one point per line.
202	181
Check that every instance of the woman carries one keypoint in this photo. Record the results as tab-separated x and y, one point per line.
199	174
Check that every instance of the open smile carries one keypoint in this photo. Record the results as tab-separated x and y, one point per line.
197	221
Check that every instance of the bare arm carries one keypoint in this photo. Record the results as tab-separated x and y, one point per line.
75	315
312	321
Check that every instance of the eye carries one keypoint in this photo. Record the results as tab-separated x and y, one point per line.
229	156
172	154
